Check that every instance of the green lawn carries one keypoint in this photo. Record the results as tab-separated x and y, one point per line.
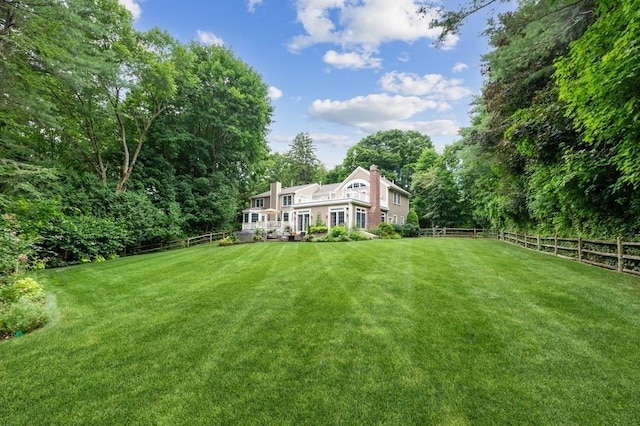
414	331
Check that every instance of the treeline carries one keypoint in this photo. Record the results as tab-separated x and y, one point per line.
555	142
113	138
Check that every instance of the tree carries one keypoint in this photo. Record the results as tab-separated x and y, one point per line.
436	196
304	166
600	81
395	152
208	150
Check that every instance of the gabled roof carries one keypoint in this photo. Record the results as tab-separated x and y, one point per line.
284	191
326	189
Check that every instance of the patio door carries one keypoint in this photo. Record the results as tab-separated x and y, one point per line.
303	221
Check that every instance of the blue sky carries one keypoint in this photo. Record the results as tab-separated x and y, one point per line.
338	69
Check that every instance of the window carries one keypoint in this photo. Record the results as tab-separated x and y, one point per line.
285	217
396	198
258	202
395	219
303	221
336	218
357	185
254	217
246	218
401	220
287	200
361	218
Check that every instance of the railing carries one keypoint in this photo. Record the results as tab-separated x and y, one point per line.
456	232
183	242
262	225
616	255
333	196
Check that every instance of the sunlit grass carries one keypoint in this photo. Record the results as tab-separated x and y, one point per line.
395	332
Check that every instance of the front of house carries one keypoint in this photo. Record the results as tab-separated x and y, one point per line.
361	201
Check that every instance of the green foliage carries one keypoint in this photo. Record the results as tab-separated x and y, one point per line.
412	218
338	231
341	234
385	230
229	240
599	82
318	229
436	196
22	315
395	152
15	248
410	230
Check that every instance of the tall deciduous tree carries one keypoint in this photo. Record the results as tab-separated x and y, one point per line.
395	152
600	82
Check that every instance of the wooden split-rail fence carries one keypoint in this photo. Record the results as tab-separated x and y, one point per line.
180	243
621	256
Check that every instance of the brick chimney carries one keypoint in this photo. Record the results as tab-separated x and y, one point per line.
375	214
274	203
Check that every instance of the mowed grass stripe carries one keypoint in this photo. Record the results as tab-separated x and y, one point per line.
394	332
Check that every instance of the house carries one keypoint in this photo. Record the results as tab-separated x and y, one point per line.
361	201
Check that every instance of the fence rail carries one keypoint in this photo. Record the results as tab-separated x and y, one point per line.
616	255
456	232
183	242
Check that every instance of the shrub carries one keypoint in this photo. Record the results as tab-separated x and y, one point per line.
410	230
29	289
22	306
228	241
412	218
338	231
358	236
22	315
318	229
385	230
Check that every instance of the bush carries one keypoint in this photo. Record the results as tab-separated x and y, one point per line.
22	315
410	230
338	231
228	241
412	218
22	306
29	289
318	229
358	236
386	230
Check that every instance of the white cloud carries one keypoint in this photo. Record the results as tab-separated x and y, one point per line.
433	86
209	38
363	24
361	110
404	57
275	93
459	67
351	60
252	5
133	7
333	140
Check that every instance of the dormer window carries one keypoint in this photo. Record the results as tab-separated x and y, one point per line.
258	202
357	185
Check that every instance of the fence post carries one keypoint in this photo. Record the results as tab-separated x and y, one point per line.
579	249
555	245
211	237
474	233
187	242
526	245
538	237
434	231
444	231
620	255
